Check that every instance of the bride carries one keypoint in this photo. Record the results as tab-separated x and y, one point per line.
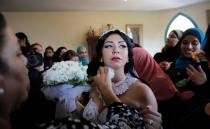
114	51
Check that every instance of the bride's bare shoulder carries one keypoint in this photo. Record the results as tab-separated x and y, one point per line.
144	94
141	87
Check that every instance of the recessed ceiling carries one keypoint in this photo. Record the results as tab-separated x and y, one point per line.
94	5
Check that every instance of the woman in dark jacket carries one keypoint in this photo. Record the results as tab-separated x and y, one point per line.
170	52
190	74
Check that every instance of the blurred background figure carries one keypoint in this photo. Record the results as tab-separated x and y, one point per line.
37	109
70	55
39	48
83	55
48	57
57	57
170	52
13	75
23	42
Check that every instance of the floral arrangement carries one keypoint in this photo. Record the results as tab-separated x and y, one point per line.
65	72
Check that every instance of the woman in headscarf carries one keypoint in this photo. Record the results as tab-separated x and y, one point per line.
83	55
170	51
190	73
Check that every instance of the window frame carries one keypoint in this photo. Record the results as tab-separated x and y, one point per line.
174	18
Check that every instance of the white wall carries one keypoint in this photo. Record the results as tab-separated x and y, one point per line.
69	28
196	12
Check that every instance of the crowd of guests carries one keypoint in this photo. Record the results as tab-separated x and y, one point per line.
169	91
188	68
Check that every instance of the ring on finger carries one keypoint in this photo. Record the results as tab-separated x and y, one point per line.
151	122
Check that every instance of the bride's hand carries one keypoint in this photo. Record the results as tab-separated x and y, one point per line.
152	118
101	80
79	104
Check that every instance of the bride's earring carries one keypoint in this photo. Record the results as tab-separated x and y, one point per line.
1	91
101	60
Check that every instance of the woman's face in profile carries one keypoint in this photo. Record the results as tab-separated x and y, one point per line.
172	40
15	79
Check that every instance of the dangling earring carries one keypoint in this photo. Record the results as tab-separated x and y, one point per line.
101	60
1	91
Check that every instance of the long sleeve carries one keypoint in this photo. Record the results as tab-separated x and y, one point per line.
148	70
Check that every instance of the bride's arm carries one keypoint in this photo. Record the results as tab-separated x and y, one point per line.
149	109
96	97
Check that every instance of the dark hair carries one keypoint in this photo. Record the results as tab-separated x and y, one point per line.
95	63
45	52
49	47
3	24
207	42
56	56
68	55
21	36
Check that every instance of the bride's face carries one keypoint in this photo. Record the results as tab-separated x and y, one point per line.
115	52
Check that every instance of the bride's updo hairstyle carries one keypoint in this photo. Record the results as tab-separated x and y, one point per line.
96	62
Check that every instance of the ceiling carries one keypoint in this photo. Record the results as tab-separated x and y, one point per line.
94	5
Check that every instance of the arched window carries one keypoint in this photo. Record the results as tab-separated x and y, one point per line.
182	22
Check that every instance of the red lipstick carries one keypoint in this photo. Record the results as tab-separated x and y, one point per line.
115	58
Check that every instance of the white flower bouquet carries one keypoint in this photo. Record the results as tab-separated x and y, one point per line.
65	72
63	82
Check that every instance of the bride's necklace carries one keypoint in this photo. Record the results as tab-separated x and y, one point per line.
121	87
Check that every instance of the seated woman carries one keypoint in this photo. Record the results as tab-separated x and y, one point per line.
15	86
114	50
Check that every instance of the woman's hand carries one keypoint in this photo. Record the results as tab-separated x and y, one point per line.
165	65
79	103
196	76
103	82
152	118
